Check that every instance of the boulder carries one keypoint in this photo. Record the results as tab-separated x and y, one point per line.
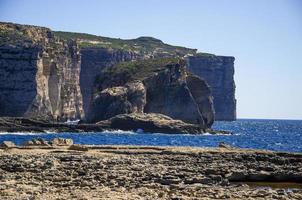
7	144
62	142
36	142
76	147
225	145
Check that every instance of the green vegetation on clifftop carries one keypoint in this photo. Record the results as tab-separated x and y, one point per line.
141	45
123	72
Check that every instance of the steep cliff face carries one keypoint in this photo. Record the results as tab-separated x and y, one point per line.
55	75
39	74
218	71
167	90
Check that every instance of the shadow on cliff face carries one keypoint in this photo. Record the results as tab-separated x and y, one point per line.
18	80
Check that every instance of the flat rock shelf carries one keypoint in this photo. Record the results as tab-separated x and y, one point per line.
146	172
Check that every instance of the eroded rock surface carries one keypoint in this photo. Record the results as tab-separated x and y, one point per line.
117	172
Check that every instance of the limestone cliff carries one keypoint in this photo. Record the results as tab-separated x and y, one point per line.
39	74
218	71
56	75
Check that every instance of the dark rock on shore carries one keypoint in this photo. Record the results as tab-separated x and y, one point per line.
7	145
151	122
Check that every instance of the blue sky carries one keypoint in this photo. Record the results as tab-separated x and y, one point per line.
265	36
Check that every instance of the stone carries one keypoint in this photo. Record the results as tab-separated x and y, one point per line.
225	145
78	148
37	142
62	142
7	145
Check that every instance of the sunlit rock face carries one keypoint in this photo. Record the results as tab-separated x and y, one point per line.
39	74
218	72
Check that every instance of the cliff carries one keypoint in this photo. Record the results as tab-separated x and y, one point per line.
39	74
207	66
100	52
218	71
57	74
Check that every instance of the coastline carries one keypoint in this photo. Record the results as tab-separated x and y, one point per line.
152	123
146	172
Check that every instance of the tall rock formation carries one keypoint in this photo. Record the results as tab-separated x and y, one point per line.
39	74
168	89
218	71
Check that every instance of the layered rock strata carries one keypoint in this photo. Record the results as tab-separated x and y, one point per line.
45	74
39	74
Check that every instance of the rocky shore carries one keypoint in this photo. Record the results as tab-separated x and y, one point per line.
152	123
132	172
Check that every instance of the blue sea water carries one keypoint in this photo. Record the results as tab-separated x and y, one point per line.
278	135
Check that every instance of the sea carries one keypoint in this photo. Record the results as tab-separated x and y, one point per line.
277	135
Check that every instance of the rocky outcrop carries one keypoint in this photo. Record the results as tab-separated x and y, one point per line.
151	122
130	98
167	90
39	74
218	72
